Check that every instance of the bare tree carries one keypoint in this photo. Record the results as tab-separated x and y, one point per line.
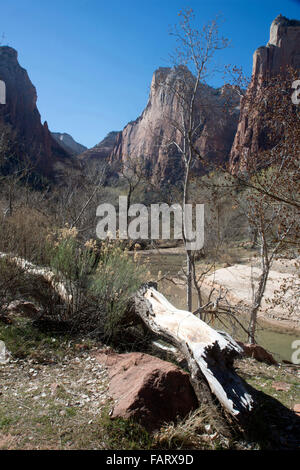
76	200
193	61
13	170
273	227
134	173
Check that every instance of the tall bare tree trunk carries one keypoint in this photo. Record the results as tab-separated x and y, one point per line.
189	265
189	291
265	267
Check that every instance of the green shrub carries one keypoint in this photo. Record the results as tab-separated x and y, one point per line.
116	278
98	279
91	285
73	264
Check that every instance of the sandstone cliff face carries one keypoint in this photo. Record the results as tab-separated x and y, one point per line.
21	116
282	50
148	138
101	151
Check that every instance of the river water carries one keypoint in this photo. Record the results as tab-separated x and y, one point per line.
274	339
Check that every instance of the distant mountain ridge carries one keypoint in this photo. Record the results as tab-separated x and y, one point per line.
67	142
102	150
226	135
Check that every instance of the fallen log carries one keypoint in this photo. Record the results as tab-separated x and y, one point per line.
36	272
209	353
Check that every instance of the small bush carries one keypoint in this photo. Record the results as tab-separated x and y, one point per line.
12	279
98	279
73	265
24	234
116	278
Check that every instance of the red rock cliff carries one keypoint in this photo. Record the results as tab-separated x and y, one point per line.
148	137
20	114
282	50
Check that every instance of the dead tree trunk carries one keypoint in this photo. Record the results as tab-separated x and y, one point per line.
36	272
209	353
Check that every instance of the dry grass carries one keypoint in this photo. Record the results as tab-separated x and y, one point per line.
24	234
204	428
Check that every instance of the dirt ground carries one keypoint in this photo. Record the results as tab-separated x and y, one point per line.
52	406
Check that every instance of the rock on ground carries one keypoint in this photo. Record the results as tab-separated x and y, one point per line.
147	389
257	352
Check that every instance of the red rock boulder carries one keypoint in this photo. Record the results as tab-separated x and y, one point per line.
147	389
258	352
27	309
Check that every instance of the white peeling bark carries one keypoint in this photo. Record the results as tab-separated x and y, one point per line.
45	273
209	353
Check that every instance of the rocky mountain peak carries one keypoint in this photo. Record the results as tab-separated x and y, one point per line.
283	30
21	117
282	51
68	143
8	52
102	150
148	137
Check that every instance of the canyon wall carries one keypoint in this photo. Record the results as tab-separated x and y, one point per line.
149	138
282	50
20	118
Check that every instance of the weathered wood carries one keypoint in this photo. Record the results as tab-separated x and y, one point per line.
31	270
209	353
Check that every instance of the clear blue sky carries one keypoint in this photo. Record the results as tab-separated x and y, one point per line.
92	60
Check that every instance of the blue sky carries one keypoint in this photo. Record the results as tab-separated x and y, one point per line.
92	60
